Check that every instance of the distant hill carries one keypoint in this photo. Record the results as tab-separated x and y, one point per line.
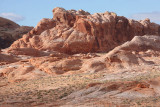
11	31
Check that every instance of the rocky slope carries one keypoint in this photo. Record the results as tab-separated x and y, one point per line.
10	31
127	75
71	32
79	59
29	63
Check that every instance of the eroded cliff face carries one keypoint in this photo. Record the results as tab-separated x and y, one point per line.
72	31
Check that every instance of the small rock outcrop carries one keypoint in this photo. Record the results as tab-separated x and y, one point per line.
71	31
10	32
138	52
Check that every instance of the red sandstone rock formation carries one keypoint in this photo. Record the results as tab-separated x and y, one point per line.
135	53
140	54
73	31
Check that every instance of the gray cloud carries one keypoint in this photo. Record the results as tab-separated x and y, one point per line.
153	16
12	16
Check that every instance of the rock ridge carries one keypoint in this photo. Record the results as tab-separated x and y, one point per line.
71	32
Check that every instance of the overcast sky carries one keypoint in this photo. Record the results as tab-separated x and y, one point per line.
30	12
